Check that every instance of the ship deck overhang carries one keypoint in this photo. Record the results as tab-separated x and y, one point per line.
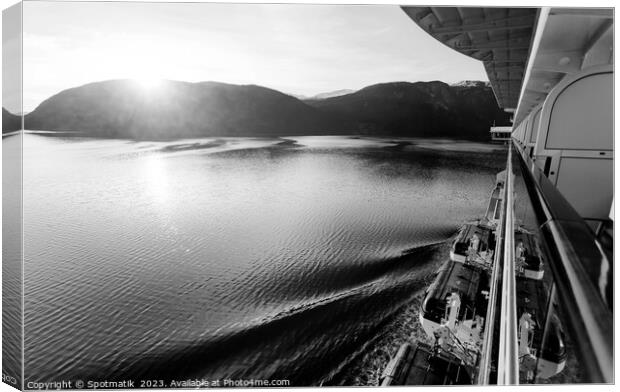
565	42
499	37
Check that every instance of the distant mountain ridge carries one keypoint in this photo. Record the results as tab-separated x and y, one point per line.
471	83
328	94
10	122
332	94
426	109
124	109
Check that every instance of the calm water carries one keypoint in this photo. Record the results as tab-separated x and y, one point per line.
239	258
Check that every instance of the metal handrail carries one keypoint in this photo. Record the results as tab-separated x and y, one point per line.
484	370
579	268
508	358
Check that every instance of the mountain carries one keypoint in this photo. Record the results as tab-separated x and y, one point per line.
299	96
331	94
429	109
124	108
10	121
471	83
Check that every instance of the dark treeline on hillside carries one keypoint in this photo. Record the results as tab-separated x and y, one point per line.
428	109
124	109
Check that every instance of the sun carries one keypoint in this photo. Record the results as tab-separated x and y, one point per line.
149	83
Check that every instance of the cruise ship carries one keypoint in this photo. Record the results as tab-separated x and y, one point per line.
526	295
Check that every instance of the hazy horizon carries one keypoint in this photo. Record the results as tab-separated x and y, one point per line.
293	48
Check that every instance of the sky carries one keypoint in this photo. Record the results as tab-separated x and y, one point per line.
297	49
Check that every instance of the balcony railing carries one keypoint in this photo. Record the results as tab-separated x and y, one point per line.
576	286
581	274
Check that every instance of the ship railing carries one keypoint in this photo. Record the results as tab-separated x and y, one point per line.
576	319
578	274
508	356
501	350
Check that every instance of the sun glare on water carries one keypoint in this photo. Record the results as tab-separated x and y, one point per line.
155	176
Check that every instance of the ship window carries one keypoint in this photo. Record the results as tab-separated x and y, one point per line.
547	167
588	185
534	130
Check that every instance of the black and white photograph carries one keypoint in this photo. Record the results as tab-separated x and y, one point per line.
284	195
